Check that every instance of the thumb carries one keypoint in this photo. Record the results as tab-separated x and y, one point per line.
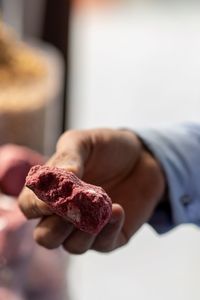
73	150
70	161
28	202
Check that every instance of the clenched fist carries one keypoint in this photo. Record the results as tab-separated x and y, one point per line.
115	160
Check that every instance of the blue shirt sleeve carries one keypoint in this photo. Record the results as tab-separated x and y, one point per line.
178	151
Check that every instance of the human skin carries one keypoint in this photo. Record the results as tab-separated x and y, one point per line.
115	160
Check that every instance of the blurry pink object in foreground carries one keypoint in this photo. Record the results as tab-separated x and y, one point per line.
26	268
13	230
15	162
27	271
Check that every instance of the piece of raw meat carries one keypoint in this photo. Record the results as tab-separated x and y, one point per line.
87	206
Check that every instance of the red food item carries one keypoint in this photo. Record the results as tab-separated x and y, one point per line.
87	206
15	162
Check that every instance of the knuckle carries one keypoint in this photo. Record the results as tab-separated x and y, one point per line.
22	208
28	204
33	211
22	204
28	211
126	236
104	247
44	240
66	135
60	157
74	250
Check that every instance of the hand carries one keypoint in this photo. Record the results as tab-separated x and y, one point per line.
115	160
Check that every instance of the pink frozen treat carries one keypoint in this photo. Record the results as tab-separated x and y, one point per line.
15	162
87	206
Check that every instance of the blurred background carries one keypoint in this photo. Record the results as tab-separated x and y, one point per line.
119	64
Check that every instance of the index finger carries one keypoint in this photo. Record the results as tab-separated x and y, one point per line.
31	206
71	155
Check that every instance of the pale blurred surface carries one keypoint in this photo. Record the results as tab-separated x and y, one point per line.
137	66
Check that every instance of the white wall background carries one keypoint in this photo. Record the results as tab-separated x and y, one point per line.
137	66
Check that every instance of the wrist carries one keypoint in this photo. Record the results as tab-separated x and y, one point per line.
157	170
161	181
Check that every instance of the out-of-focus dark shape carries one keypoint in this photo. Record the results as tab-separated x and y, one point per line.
56	28
56	25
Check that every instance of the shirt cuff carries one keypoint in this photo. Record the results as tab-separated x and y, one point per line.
177	151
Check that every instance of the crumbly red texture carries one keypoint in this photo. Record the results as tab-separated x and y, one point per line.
15	163
87	206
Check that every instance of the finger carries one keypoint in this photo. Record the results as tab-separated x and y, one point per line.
78	242
111	236
73	150
31	206
52	231
70	161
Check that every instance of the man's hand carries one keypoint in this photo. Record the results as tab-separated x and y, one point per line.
115	160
